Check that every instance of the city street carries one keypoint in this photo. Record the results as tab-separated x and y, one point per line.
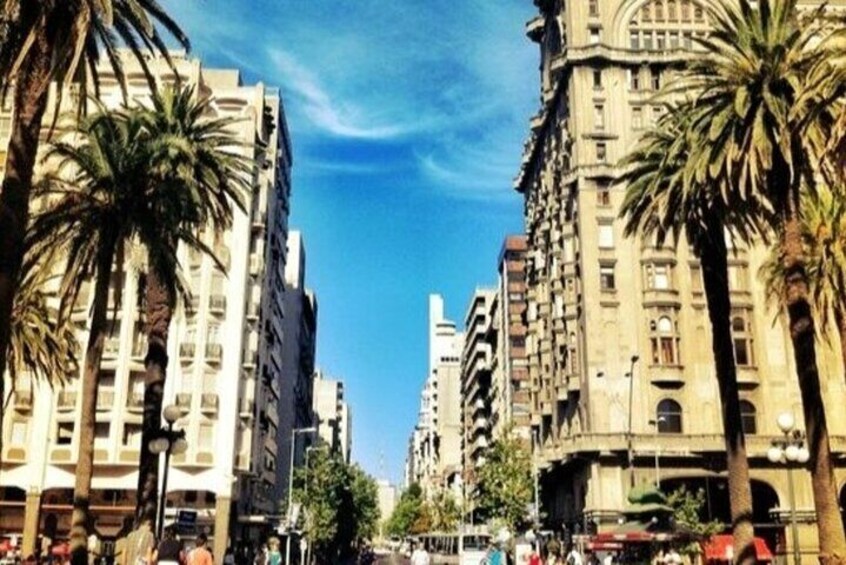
394	559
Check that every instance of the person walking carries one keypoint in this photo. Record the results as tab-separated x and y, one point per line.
169	551
140	545
201	555
420	556
274	554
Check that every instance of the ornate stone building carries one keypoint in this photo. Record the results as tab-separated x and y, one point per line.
618	342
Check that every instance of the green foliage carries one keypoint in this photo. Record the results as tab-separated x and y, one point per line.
340	502
443	511
688	512
505	488
407	514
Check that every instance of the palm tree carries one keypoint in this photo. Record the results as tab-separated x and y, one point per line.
44	41
662	200
824	237
90	201
758	138
195	177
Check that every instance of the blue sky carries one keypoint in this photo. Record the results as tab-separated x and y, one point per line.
408	120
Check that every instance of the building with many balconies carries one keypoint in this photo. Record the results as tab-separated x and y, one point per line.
618	343
224	346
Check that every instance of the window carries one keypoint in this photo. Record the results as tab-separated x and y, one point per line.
593	8
18	432
646	12
658	276
637	117
594	36
741	333
672	12
656	79
599	116
674	40
206	439
748	418
647	40
572	354
634	40
698	13
660	41
597	79
634	79
606	236
669	417
101	433
601	152
603	195
606	277
685	10
696	278
518	342
687	40
664	341
738	278
659	10
64	433
131	435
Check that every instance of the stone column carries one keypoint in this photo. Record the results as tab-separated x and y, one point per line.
221	526
32	513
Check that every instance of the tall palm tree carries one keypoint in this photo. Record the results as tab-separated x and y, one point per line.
56	40
663	200
90	200
195	177
758	139
824	237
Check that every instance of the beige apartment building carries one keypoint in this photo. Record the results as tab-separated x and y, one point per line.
618	335
224	347
332	415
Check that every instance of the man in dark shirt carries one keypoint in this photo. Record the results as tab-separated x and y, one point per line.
169	551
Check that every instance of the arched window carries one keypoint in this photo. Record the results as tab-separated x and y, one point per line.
665	341
748	417
669	417
741	333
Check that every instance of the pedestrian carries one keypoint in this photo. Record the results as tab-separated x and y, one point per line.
574	557
261	555
229	557
533	558
420	556
274	555
139	545
201	555
169	551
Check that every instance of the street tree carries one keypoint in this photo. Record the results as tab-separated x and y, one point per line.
505	489
406	513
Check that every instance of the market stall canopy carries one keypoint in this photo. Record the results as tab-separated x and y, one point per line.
721	548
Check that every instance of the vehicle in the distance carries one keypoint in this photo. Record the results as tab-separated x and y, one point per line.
455	548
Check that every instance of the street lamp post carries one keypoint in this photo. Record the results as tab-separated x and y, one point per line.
294	433
167	441
788	451
631	412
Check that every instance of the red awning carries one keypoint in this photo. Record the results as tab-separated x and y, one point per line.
60	549
631	537
720	548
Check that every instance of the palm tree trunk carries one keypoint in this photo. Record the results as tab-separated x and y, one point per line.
160	301
30	102
831	536
714	258
840	318
81	519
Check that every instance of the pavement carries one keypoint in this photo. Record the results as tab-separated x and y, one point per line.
394	559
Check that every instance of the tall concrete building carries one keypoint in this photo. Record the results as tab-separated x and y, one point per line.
296	402
332	415
435	456
388	497
224	348
618	345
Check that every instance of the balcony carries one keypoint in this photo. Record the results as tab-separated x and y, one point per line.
222	254
253	311
66	400
187	350
208	403
139	349
135	402
105	400
183	401
247	409
111	348
217	304
666	376
23	400
256	264
259	220
214	352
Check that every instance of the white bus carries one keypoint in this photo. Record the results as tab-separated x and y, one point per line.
456	549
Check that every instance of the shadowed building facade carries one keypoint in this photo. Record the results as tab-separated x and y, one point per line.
618	344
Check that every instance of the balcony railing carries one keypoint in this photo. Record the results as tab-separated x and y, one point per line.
256	264
111	347
139	348
135	401
183	401
214	352
208	402
187	350
247	409
23	400
105	400
66	400
253	310
217	303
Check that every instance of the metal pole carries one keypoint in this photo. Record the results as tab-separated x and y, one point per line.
163	494
290	497
536	478
797	557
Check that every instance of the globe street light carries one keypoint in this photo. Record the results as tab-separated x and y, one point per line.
294	433
167	441
789	451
